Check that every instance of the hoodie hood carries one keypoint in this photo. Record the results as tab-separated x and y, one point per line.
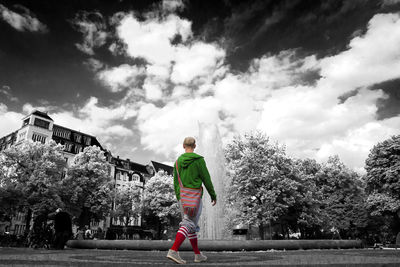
188	158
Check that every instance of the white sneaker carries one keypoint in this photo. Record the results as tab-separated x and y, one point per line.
174	256
199	258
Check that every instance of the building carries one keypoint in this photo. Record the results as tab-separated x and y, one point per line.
40	127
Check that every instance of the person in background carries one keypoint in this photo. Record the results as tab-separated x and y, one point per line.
88	232
62	228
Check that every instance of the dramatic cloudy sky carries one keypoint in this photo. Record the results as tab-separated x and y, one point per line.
321	77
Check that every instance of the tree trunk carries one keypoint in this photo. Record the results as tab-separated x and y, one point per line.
84	218
261	231
28	221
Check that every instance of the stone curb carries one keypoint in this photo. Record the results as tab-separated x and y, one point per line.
217	245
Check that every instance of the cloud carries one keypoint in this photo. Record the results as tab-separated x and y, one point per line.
197	60
93	64
390	2
151	39
163	128
92	26
6	91
372	58
121	77
26	21
180	81
10	120
313	120
172	5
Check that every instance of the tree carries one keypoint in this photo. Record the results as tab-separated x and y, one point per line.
343	194
383	185
87	186
128	203
383	172
263	184
160	200
308	217
33	172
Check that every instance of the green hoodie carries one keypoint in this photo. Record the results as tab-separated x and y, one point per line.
193	173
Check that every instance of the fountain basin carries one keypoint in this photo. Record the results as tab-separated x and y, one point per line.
217	245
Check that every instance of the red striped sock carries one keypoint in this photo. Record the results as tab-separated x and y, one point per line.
180	237
193	240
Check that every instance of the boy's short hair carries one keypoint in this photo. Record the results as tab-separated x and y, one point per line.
189	141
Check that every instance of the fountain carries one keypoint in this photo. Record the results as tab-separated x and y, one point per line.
209	145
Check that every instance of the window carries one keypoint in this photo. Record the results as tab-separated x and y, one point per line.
22	136
135	177
77	137
41	123
61	133
68	147
26	122
87	140
78	149
38	138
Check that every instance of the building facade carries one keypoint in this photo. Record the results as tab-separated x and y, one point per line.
39	127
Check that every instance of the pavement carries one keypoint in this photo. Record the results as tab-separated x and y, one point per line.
117	258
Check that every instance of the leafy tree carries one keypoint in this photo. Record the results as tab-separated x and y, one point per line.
383	185
262	186
344	203
87	187
128	203
383	172
32	172
160	200
308	217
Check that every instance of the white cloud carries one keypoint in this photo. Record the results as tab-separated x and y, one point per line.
10	120
121	77
164	128
390	2
22	22
271	96
198	60
151	39
93	64
187	82
311	120
172	5
92	26
6	91
370	59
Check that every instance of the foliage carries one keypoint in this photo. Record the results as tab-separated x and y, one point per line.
383	172
159	197
32	170
30	180
128	202
343	197
87	187
383	187
263	185
306	213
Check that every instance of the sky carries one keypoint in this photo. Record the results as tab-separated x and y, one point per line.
320	77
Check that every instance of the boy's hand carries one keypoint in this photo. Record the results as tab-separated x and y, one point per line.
213	202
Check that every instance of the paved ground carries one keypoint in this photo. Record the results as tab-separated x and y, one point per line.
117	258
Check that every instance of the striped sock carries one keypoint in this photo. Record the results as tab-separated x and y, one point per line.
180	237
193	241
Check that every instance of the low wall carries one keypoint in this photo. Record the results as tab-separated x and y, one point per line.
217	245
